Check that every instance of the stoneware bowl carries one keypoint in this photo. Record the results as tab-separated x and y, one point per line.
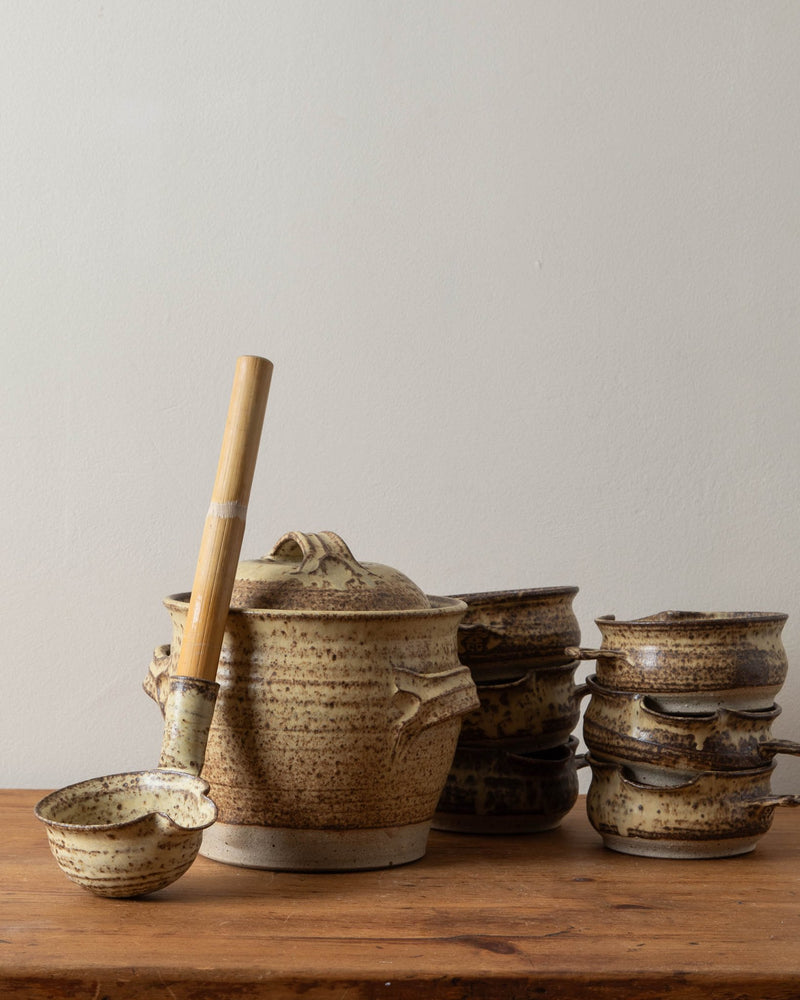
127	834
335	724
694	660
713	814
533	712
504	633
630	726
495	792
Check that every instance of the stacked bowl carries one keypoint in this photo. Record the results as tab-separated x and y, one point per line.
678	727
514	769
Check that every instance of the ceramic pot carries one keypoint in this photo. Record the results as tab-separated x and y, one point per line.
334	729
713	814
127	834
694	661
629	726
504	633
494	791
533	712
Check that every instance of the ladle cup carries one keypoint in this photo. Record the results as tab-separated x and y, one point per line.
129	834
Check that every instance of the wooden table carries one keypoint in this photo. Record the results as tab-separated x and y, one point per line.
554	915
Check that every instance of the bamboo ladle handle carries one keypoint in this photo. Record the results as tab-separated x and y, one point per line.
225	522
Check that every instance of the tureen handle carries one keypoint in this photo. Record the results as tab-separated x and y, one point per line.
156	683
423	700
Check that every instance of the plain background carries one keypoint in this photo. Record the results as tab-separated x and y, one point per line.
528	272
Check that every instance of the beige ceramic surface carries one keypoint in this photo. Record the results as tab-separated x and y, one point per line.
694	660
630	726
494	791
317	571
188	711
713	814
329	723
127	834
506	632
536	711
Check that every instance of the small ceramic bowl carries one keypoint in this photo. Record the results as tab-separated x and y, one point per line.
694	660
497	792
534	712
630	726
712	814
504	633
128	834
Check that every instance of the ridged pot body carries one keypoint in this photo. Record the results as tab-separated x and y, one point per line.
331	721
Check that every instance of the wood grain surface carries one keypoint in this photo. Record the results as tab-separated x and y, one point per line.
552	915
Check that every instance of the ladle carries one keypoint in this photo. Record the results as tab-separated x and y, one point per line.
129	834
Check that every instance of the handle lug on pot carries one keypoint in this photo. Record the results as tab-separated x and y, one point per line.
423	700
156	683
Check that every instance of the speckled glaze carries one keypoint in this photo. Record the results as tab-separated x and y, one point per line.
188	711
316	571
494	791
713	814
533	712
694	660
504	633
127	835
333	732
628	725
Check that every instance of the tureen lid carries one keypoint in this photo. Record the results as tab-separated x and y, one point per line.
317	571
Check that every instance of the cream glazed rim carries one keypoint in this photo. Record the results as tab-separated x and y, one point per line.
136	785
696	619
703	710
695	778
440	607
512	596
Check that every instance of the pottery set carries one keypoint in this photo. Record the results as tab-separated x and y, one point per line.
323	714
515	768
678	727
340	702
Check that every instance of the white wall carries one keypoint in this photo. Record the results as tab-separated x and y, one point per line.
528	273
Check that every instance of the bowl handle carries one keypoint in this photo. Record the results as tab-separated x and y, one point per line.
769	748
579	653
582	760
771	801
